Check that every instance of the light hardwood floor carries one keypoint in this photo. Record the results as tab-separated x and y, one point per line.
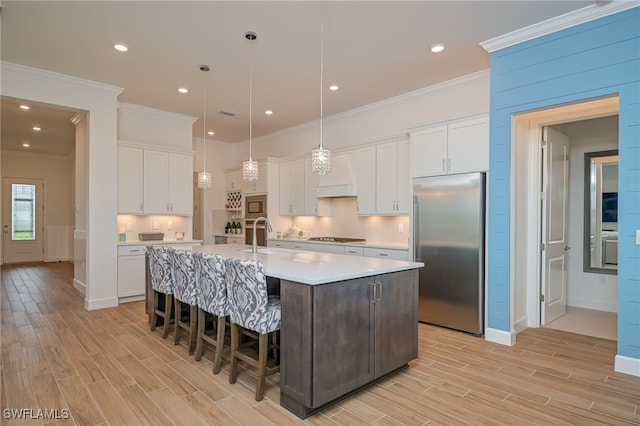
106	367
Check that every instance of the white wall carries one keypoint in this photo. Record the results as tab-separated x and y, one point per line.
587	289
56	173
80	205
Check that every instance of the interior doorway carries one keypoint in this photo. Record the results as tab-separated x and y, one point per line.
528	260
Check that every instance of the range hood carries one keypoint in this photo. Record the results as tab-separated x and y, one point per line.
340	181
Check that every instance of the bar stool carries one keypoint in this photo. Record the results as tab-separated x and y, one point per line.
185	291
254	314
161	277
211	273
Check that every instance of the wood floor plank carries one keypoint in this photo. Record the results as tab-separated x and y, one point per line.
141	374
142	406
241	412
114	409
208	409
175	408
112	370
81	405
47	393
203	383
170	377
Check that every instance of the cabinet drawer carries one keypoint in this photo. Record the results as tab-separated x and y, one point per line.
385	253
353	251
132	250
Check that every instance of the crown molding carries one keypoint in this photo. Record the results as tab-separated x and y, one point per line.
552	25
443	87
147	110
56	78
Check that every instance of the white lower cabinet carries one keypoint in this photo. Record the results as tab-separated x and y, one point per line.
235	240
131	270
353	251
386	253
395	254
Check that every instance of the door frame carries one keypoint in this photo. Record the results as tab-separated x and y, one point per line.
527	139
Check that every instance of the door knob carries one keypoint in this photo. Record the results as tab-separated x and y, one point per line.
567	248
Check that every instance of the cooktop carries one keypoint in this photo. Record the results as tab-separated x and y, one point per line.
338	239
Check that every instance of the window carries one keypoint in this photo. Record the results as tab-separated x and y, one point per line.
23	208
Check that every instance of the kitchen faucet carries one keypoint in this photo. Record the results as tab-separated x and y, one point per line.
255	240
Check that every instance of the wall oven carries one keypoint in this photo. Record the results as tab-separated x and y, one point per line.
255	206
261	233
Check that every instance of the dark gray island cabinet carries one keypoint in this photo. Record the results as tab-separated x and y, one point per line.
339	337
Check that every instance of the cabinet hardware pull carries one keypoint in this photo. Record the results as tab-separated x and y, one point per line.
379	296
351	251
372	286
383	254
449	165
140	205
443	169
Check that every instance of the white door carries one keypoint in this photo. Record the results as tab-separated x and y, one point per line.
22	220
555	187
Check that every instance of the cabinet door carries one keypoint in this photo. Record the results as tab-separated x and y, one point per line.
386	167
310	190
292	186
365	160
429	152
469	146
233	181
403	181
396	320
343	338
395	254
180	178
257	186
156	182
131	276
130	178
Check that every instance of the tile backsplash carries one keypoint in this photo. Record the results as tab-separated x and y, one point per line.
168	225
344	221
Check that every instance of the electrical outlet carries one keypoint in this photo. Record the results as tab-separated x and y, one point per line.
129	226
638	237
169	225
155	225
401	227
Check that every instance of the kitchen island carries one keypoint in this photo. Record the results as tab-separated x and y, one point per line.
347	322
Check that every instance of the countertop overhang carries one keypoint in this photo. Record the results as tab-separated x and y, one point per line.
308	267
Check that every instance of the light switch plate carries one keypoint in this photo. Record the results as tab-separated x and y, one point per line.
155	225
638	237
129	226
169	225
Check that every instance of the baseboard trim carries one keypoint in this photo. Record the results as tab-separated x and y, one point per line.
128	299
521	325
627	365
91	305
499	336
80	286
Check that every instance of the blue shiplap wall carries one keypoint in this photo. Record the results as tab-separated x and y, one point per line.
595	59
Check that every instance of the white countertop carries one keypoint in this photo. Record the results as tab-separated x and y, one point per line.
222	234
372	244
310	267
146	243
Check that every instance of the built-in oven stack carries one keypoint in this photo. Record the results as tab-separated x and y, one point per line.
255	207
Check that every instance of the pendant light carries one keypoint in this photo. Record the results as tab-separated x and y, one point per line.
321	156
250	167
204	177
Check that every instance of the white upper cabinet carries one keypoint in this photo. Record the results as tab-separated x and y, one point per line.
292	188
258	186
365	161
167	183
459	146
392	178
233	181
130	190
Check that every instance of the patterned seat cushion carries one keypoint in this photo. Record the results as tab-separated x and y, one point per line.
185	285
161	268
211	275
250	304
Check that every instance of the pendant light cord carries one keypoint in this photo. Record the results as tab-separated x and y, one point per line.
250	103
204	130
321	75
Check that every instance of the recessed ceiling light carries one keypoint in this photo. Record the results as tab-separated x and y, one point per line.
36	128
26	145
120	47
25	107
334	87
268	112
210	133
183	90
436	48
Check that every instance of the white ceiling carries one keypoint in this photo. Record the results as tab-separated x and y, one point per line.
373	49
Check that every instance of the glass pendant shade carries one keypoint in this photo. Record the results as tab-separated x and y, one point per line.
250	170
204	180
320	160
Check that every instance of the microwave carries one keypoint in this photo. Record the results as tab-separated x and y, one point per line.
255	206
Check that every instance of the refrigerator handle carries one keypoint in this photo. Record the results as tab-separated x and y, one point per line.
416	228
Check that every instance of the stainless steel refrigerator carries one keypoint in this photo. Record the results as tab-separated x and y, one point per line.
449	223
